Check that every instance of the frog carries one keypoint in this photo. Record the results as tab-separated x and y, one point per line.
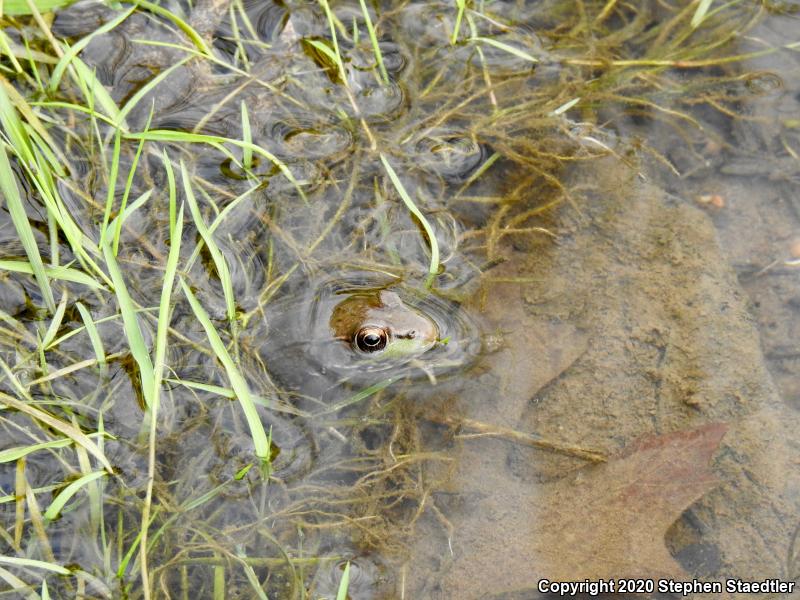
332	338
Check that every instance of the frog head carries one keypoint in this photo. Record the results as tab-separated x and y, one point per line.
380	325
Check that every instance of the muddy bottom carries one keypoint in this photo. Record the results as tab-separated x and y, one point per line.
630	326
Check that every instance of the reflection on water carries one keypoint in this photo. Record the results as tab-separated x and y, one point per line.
615	211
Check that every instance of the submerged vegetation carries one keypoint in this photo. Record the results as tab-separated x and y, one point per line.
177	177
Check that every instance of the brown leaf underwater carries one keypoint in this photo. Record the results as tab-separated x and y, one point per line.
600	522
611	520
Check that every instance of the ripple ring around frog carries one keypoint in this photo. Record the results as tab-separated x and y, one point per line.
312	345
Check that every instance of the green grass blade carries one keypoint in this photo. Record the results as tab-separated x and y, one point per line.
219	583
145	89
321	46
6	50
96	89
38	171
71	432
73	51
506	48
218	220
63	273
165	135
16	208
12	454
30	54
461	6
14	129
131	326
700	13
565	107
238	382
229	393
94	335
171	188
78	330
216	255
208	496
337	55
401	190
206	387
18	8
16	99
160	351
197	40
50	161
357	397
344	584
68	492
252	578
373	38
128	186
76	107
36	564
55	323
176	229
129	210
123	564
247	138
112	188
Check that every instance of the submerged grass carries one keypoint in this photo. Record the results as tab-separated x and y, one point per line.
8	185
76	435
159	364
217	142
68	492
220	264
334	55
133	330
238	382
433	269
373	38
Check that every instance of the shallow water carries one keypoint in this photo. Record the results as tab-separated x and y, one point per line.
617	281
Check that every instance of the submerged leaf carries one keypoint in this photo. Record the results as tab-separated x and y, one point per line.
605	521
611	520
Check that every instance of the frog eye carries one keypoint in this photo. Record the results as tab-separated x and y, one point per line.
371	339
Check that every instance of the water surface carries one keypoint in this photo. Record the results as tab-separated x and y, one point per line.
614	203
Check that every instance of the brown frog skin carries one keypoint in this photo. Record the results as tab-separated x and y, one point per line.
381	324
